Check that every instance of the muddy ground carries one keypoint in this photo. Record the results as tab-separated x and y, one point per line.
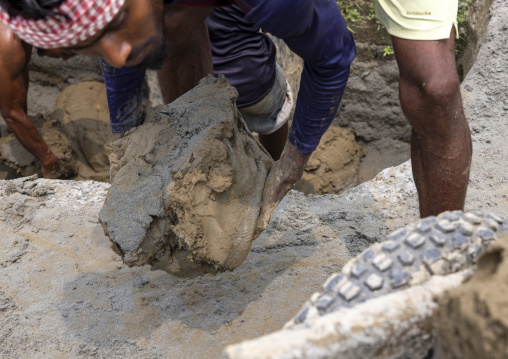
65	293
77	130
473	320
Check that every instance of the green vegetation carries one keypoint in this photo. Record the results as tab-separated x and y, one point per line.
349	12
372	12
354	12
463	11
463	25
388	51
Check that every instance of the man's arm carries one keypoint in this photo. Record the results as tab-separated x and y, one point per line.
188	53
321	38
327	48
14	59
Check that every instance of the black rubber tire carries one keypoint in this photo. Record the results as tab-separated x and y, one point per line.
438	245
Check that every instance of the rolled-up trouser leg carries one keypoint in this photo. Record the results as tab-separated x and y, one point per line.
124	90
273	111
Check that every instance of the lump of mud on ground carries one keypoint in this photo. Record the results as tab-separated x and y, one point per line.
334	166
473	318
82	112
187	185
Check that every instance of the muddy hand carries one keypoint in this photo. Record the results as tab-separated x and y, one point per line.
51	169
117	135
283	175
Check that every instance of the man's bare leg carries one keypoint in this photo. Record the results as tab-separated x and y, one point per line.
274	142
189	57
441	140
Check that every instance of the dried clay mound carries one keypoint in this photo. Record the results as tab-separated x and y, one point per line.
187	185
473	318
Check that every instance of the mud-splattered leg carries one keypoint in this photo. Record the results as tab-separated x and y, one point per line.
441	140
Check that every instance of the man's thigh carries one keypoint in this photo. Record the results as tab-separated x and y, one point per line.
421	60
423	34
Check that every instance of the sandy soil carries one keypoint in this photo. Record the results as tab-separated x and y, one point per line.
473	319
65	293
7	172
382	154
477	326
334	166
77	130
24	163
82	112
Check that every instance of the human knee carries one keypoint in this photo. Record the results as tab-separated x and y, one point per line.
273	111
442	89
434	109
435	90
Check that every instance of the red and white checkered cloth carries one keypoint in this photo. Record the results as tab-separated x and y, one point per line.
85	19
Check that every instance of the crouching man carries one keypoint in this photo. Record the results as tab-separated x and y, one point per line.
132	32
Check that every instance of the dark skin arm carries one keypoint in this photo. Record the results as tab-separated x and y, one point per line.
283	175
14	59
188	52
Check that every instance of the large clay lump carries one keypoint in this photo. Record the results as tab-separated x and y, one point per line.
186	185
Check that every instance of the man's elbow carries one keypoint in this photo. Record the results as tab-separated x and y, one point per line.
13	117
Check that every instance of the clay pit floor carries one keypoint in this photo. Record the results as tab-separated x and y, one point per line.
65	293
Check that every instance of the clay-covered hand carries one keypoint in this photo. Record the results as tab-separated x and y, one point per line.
117	135
283	175
51	168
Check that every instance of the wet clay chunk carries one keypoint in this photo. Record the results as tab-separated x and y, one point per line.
187	185
473	318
